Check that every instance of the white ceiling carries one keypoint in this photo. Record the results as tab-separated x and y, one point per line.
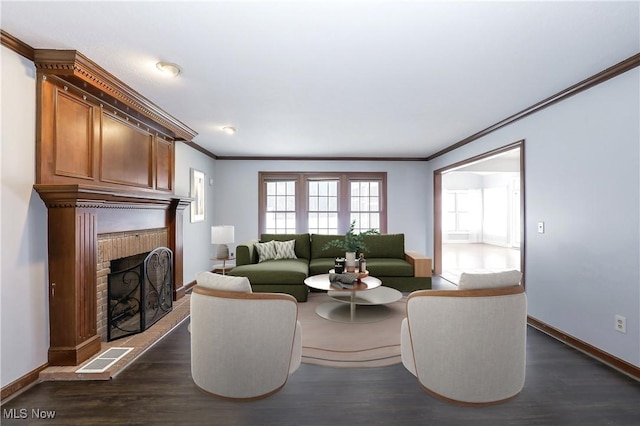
338	78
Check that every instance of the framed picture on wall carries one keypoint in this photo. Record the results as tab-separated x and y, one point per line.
197	193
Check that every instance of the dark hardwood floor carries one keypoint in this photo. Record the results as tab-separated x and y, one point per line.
563	387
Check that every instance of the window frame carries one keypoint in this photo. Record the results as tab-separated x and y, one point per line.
456	211
302	196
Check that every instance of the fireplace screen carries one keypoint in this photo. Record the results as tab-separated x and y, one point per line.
140	291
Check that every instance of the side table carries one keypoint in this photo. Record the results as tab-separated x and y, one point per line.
217	269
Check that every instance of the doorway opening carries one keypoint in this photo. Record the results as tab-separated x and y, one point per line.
479	214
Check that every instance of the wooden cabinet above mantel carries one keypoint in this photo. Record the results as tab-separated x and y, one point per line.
93	129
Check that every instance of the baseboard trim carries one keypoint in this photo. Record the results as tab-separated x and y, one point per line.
22	383
600	355
188	287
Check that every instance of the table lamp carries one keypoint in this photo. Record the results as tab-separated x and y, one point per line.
222	235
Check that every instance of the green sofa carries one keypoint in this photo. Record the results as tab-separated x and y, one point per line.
385	255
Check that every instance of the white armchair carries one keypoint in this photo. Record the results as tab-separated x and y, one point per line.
467	346
244	345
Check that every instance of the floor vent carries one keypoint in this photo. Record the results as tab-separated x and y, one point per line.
104	360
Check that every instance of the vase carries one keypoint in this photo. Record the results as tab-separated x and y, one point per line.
350	257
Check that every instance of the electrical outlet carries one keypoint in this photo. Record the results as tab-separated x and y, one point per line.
621	324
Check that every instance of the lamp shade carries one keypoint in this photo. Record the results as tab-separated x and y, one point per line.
222	234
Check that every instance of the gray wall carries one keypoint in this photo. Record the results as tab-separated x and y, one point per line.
582	179
197	246
236	193
24	313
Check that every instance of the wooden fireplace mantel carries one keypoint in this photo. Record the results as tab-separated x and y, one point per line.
99	197
77	214
105	162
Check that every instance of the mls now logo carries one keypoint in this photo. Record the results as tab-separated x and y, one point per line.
23	413
15	413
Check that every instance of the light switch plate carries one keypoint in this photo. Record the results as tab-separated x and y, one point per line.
541	227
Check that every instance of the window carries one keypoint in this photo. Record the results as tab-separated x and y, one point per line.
456	211
280	216
365	204
323	206
321	203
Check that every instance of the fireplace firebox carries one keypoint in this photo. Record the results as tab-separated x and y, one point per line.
140	292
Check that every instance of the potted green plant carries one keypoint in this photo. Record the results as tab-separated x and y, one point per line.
351	243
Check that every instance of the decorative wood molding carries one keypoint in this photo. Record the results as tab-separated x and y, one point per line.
599	354
88	196
601	77
21	48
71	64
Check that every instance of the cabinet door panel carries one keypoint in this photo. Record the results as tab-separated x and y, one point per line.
73	145
126	153
164	159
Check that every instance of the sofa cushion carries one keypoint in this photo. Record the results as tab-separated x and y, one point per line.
317	243
321	265
285	249
489	280
266	251
289	271
384	246
302	243
389	267
223	282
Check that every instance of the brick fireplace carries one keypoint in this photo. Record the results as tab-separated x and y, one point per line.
118	245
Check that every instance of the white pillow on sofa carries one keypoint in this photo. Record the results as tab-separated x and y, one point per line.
285	249
266	251
223	282
489	280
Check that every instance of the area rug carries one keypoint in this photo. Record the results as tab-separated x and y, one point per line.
337	344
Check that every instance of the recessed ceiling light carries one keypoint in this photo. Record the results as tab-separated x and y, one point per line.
229	130
169	68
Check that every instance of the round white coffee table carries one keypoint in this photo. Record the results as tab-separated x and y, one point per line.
368	293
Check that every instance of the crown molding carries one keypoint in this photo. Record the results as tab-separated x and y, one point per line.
200	149
73	66
21	48
336	158
609	73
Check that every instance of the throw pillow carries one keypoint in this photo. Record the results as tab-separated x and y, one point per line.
490	280
285	249
266	251
223	282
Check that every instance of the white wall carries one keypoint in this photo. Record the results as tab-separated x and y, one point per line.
582	162
24	317
197	247
236	188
